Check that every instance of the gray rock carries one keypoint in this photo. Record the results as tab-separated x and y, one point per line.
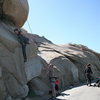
18	78
12	68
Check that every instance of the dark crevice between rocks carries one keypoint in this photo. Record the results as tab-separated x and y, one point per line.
6	19
31	92
1	8
2	15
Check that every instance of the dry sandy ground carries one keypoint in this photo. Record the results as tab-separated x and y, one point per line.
77	93
81	93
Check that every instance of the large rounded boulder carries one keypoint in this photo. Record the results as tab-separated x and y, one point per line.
15	11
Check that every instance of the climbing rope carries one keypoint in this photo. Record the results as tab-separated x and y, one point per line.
20	3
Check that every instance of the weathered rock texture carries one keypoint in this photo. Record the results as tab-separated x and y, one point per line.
18	79
12	66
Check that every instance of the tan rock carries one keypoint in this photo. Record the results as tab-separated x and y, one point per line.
12	69
16	11
69	60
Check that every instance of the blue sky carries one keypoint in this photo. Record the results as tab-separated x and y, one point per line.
66	21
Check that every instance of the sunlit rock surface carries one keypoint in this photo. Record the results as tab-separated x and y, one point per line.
14	11
18	79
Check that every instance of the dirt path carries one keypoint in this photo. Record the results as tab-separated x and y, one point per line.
81	93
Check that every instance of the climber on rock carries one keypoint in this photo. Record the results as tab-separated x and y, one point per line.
23	41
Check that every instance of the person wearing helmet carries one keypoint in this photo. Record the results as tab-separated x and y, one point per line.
23	41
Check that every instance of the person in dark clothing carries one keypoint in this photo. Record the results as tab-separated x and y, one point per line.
88	73
23	41
57	82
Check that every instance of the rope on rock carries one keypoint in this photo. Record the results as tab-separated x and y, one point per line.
20	3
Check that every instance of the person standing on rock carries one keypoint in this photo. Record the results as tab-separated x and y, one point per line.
52	80
23	41
88	73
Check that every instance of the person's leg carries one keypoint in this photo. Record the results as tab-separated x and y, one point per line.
24	52
53	90
57	89
87	81
90	81
89	78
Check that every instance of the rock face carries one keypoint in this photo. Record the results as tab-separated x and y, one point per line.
14	11
12	66
18	79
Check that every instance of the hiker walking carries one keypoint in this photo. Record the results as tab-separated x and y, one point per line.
23	41
88	73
